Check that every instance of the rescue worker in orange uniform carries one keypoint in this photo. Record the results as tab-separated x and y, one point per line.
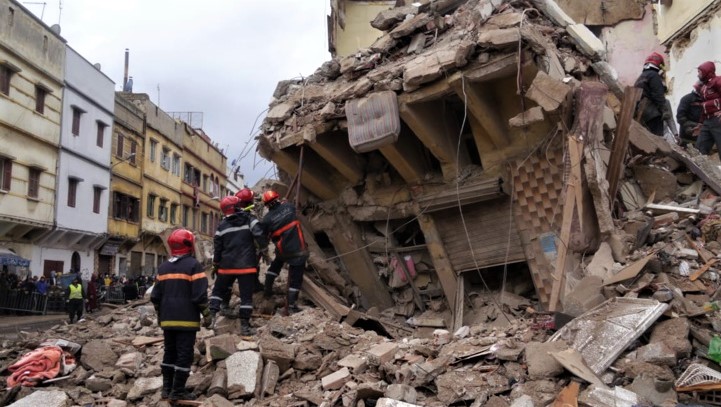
283	225
237	241
180	297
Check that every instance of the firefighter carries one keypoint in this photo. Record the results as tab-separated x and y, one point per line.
237	241
688	115
180	297
653	99
282	224
710	133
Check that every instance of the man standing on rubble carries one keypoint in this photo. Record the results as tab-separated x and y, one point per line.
710	109
688	115
75	299
282	224
237	241
652	106
180	296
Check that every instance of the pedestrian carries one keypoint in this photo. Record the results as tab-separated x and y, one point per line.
75	298
180	297
688	115
652	106
42	286
92	304
53	278
710	132
281	222
238	240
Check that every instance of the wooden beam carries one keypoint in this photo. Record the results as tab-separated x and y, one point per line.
405	156
484	110
437	133
317	182
620	142
441	262
334	148
322	298
349	244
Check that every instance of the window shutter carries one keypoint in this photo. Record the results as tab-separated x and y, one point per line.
7	174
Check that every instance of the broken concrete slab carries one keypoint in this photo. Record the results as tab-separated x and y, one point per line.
587	42
335	380
601	397
548	92
144	386
657	353
270	378
97	354
499	38
655	179
601	264
409	26
541	364
220	347
527	118
45	398
647	390
244	371
587	295
130	361
273	349
386	402
386	19
280	112
401	392
554	12
674	333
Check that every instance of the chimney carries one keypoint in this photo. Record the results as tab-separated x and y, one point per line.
127	63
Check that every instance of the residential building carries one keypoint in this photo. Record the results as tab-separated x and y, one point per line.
83	180
126	187
204	181
32	66
160	199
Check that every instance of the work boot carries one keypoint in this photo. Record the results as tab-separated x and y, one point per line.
168	376
268	289
179	391
293	302
245	329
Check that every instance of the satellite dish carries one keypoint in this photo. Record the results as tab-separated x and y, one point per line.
55	28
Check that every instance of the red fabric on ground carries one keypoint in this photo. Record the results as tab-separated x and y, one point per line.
36	366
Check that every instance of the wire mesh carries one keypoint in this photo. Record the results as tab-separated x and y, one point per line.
697	374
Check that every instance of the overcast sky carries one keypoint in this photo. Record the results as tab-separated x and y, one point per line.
219	57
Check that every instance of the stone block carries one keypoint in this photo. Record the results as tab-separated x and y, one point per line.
386	19
539	360
587	295
52	398
97	354
96	384
130	361
307	361
386	402
282	353
602	263
144	386
382	353
356	363
244	373
270	378
657	353
527	118
657	179
335	380
499	37
220	347
548	92
674	333
280	112
401	392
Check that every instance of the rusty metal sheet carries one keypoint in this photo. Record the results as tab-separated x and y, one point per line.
603	333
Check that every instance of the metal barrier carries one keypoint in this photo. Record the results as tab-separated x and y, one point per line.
19	300
114	294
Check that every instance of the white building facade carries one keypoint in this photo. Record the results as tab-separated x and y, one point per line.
82	201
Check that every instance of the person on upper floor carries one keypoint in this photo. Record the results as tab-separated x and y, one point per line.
652	106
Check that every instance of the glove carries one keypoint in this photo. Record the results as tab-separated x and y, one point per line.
214	271
207	318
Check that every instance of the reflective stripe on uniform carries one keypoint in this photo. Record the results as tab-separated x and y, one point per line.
237	271
181	276
180	324
286	227
233	229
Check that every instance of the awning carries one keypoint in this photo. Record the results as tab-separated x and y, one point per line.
8	258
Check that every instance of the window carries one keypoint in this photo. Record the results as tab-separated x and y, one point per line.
125	207
173	213
186	209
97	193
151	206
72	191
33	182
6	172
101	134
120	146
76	121
5	74
188	173
133	151
40	94
165	158
204	222
205	183
11	17
196	177
163	210
176	164
153	147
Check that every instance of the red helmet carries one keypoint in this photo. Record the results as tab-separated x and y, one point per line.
656	59
181	242
228	204
270	196
707	70
245	196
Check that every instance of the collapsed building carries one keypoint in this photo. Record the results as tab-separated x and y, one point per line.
480	145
